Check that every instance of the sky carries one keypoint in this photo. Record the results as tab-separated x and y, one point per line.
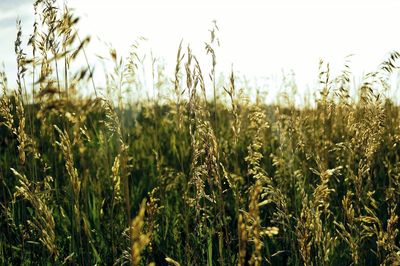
261	39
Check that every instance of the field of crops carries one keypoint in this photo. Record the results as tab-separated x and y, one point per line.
204	176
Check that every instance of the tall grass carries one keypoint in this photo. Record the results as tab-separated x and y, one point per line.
188	180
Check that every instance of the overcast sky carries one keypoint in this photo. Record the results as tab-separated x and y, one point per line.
260	38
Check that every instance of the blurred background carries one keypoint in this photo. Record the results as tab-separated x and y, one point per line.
266	41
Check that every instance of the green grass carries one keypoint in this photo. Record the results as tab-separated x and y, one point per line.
189	180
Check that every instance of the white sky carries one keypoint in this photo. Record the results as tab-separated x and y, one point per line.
260	38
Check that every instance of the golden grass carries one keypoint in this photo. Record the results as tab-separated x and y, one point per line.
191	179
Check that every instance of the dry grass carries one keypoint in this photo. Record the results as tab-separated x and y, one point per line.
190	179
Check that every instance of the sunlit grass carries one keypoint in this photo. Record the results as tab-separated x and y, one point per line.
191	178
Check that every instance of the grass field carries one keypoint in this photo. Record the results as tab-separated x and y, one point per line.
190	179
